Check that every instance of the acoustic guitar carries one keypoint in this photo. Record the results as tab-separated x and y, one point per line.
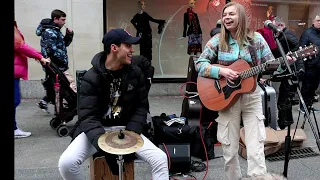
220	94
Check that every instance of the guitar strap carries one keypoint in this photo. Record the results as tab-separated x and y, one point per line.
253	53
215	60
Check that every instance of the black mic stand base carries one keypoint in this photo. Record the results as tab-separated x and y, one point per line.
310	109
288	137
287	145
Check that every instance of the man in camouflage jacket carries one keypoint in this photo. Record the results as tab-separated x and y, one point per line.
54	45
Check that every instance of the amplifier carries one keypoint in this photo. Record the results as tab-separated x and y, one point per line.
180	158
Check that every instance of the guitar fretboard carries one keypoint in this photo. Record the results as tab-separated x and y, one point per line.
257	69
302	53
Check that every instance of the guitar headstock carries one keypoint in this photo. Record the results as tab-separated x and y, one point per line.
306	52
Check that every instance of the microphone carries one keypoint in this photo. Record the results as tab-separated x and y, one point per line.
271	26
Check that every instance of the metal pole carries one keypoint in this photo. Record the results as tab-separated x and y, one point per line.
120	164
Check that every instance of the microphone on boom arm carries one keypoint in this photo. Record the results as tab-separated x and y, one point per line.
271	26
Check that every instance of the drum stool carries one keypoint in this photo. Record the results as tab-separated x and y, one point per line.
99	169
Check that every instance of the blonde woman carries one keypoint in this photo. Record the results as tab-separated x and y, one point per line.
229	46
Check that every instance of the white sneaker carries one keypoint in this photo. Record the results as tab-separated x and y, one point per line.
18	133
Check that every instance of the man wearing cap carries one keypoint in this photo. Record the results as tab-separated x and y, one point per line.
113	93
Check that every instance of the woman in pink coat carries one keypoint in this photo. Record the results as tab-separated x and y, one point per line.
22	52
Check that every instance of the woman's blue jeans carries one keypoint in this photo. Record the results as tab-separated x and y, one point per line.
17	99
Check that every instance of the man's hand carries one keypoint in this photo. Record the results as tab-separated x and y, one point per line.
290	59
69	31
300	74
262	81
228	73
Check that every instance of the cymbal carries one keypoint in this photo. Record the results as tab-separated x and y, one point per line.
112	142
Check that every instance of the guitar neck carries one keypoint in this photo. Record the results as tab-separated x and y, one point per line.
301	53
257	69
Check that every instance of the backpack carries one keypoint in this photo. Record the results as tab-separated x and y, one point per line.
173	133
209	138
147	69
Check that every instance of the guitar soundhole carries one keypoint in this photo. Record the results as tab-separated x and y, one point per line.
234	83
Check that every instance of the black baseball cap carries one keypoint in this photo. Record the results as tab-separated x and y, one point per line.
117	36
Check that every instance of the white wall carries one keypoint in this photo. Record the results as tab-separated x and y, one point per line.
85	17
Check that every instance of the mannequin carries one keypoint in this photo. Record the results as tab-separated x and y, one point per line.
141	22
192	29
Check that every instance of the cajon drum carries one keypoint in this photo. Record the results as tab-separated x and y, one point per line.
99	169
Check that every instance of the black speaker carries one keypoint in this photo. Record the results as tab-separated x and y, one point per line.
180	158
191	107
191	111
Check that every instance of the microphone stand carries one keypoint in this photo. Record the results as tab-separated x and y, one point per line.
287	145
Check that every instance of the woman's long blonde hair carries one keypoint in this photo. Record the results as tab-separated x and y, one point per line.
243	34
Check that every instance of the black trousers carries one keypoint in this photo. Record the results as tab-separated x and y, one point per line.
146	46
48	85
310	84
286	93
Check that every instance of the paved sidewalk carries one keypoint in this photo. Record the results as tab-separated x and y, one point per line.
36	157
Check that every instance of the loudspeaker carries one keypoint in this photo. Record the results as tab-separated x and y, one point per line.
179	156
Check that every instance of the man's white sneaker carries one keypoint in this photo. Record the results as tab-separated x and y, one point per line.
18	133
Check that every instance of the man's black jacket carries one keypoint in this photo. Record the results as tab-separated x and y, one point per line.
311	36
95	98
293	43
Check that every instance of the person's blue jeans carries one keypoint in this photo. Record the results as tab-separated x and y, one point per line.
17	99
